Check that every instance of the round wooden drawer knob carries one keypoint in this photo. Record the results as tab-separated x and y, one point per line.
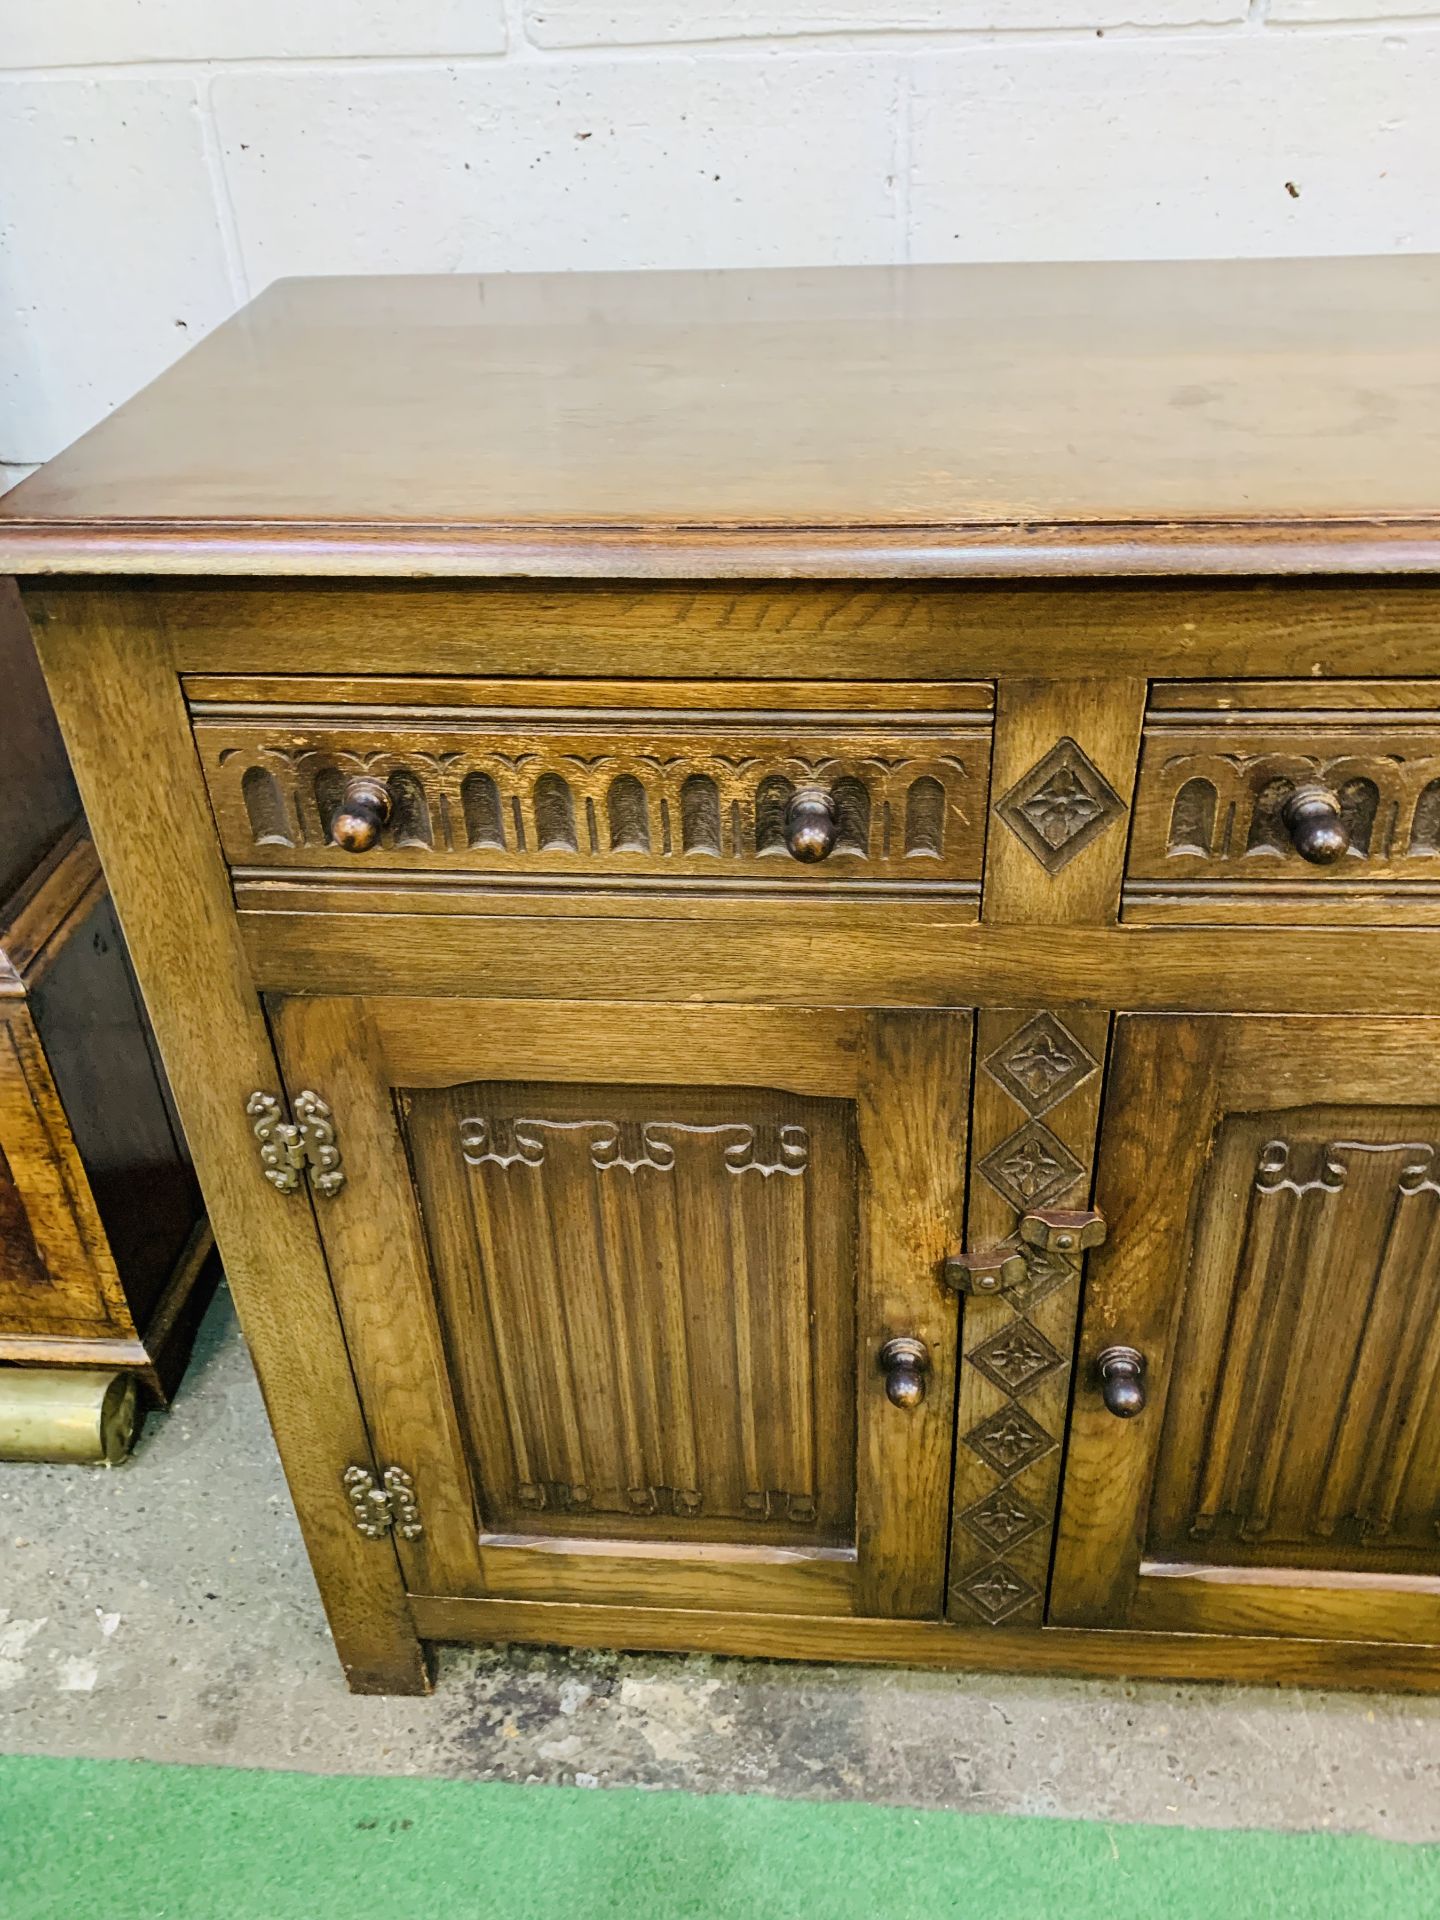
364	808
1312	819
811	824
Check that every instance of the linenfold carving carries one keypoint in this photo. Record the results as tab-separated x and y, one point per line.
630	1145
1321	1207
657	1303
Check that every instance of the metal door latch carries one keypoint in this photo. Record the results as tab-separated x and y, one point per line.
1051	1229
986	1270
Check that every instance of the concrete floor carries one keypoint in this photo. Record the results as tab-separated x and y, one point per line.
165	1610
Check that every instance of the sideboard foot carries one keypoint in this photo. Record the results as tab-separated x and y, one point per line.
408	1667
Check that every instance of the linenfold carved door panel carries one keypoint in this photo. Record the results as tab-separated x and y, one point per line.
666	1276
617	1284
1273	1193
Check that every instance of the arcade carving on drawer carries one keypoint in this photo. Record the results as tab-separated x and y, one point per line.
1251	809
728	790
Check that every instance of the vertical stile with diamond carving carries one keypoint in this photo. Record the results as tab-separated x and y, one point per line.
1036	1108
1062	784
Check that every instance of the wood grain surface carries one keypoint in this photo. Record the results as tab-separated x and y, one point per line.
1240	416
694	535
1273	1199
1251	1658
617	1308
112	682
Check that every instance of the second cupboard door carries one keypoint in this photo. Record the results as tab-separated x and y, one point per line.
1265	1454
647	1300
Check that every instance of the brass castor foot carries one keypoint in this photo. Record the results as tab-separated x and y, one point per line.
73	1415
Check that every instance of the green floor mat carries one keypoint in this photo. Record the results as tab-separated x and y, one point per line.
126	1840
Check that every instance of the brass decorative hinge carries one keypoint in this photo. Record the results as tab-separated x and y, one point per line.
304	1145
392	1505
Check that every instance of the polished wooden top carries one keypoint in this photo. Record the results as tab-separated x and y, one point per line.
1268	416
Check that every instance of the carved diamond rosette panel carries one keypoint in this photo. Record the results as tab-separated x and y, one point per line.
1002	1519
1016	1357
1010	1439
1031	1168
1017	1345
1044	1272
1040	1064
693	800
995	1592
1061	805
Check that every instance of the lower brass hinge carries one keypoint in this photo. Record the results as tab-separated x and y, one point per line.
390	1506
306	1145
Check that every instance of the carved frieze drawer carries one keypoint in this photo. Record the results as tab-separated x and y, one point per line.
638	786
1287	802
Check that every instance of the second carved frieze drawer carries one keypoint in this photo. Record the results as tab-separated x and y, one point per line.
640	785
1287	802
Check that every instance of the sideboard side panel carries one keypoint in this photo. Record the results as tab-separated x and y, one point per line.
112	676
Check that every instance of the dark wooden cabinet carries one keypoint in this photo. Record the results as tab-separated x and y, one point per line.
794	920
102	1239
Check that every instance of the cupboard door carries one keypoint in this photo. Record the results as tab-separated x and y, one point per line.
1273	1194
618	1281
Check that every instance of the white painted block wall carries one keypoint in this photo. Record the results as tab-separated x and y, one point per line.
162	160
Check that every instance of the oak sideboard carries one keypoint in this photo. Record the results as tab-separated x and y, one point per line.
796	922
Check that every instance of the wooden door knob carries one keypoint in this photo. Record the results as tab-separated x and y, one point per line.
363	810
905	1363
1122	1381
811	824
1311	816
